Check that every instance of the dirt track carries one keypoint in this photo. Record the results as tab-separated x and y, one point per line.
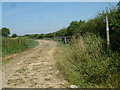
34	68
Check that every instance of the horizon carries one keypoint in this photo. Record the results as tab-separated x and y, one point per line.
47	17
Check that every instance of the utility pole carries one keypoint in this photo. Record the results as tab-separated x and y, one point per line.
107	33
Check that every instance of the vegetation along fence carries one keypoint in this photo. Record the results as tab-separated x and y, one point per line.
65	39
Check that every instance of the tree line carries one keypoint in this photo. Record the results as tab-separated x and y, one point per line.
95	25
5	32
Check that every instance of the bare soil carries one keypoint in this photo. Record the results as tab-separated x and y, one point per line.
35	68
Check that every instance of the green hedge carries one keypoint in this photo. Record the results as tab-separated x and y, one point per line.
10	45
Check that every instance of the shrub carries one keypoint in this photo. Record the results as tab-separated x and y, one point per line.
85	63
14	35
10	46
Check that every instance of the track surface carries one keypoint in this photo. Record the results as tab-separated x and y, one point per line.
35	68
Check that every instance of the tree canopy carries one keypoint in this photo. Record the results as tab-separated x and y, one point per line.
5	31
14	35
95	25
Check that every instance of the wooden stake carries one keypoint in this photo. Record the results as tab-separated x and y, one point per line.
107	33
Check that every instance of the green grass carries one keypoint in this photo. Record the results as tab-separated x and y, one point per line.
0	46
11	46
86	64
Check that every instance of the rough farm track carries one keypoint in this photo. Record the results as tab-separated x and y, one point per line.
34	68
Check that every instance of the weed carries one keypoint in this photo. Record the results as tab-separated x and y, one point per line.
10	46
47	79
85	63
21	70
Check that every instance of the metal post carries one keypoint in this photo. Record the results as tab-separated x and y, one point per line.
65	40
107	33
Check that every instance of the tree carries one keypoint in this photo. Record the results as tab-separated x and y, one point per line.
40	36
118	5
14	35
0	32
71	30
5	31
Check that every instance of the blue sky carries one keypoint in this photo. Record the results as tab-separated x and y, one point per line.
45	17
0	14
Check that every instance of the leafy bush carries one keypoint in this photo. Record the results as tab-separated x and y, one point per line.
4	31
14	35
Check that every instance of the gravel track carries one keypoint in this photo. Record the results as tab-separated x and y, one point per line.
34	68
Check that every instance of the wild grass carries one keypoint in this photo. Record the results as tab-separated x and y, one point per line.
85	63
10	45
0	46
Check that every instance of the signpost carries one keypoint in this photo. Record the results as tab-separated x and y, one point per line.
107	32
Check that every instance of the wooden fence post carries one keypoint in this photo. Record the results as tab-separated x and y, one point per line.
107	33
18	42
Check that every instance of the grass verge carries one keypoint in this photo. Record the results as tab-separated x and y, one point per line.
85	63
11	46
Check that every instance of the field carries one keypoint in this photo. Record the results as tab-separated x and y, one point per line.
10	45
